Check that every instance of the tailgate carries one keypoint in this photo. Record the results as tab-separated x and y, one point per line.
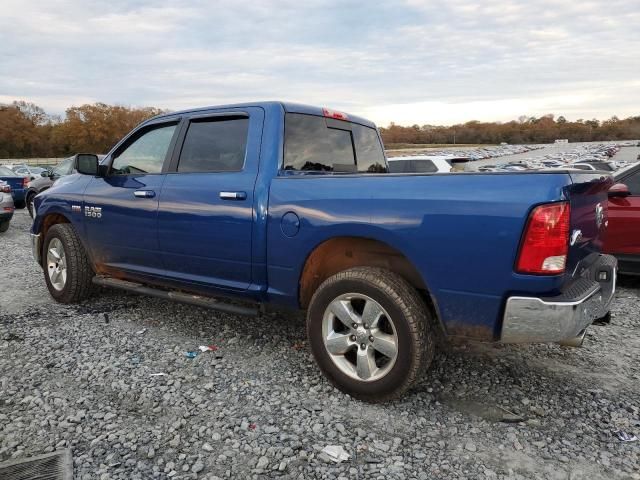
14	182
587	195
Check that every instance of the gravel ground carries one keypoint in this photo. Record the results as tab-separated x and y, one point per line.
258	407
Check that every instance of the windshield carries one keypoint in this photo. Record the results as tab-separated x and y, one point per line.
626	169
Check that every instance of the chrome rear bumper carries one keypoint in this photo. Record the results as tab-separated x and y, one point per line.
555	319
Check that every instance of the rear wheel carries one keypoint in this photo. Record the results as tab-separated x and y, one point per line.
370	333
66	266
19	204
4	226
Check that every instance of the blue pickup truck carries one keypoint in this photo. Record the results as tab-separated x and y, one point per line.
283	204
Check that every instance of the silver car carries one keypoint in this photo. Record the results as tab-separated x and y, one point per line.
6	206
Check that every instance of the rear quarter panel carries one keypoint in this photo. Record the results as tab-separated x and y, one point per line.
461	231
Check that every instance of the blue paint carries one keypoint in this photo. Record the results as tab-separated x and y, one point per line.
461	232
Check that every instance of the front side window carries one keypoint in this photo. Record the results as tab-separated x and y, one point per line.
63	168
146	153
215	145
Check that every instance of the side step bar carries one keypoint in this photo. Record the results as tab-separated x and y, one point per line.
181	297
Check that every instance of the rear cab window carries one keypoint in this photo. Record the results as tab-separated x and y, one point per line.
315	144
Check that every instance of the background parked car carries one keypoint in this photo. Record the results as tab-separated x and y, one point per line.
31	172
18	184
427	163
48	177
419	164
623	234
6	206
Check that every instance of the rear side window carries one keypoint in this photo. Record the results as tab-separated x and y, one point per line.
215	145
314	144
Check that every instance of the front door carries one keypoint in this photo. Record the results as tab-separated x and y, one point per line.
120	210
206	209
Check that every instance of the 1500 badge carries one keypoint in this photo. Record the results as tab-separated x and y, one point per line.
93	212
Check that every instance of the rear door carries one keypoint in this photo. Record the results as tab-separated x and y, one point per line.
206	210
623	235
120	209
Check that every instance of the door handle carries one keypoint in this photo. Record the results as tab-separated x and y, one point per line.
233	195
144	193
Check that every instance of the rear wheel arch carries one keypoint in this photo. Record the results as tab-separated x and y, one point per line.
342	253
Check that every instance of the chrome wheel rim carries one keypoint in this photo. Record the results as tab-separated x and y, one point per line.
57	264
360	337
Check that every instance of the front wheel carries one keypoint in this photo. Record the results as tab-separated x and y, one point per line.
66	267
30	204
369	332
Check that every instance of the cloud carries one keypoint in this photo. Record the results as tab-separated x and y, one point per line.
405	61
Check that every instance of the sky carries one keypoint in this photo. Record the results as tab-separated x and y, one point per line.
403	61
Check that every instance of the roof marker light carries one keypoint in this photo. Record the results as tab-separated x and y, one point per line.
334	114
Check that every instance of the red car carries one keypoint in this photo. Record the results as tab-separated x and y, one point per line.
623	235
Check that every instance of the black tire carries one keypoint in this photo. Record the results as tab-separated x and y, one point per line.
29	200
78	285
411	319
19	205
4	225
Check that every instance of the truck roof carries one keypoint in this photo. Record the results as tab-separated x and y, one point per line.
288	107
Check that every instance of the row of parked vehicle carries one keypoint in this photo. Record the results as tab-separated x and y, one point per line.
584	157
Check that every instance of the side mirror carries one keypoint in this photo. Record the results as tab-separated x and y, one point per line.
87	164
45	173
619	190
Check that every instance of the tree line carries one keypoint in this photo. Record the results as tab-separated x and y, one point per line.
27	131
545	129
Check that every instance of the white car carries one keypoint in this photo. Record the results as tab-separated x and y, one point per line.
421	164
581	166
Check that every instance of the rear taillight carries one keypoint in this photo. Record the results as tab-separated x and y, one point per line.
25	182
546	240
5	189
